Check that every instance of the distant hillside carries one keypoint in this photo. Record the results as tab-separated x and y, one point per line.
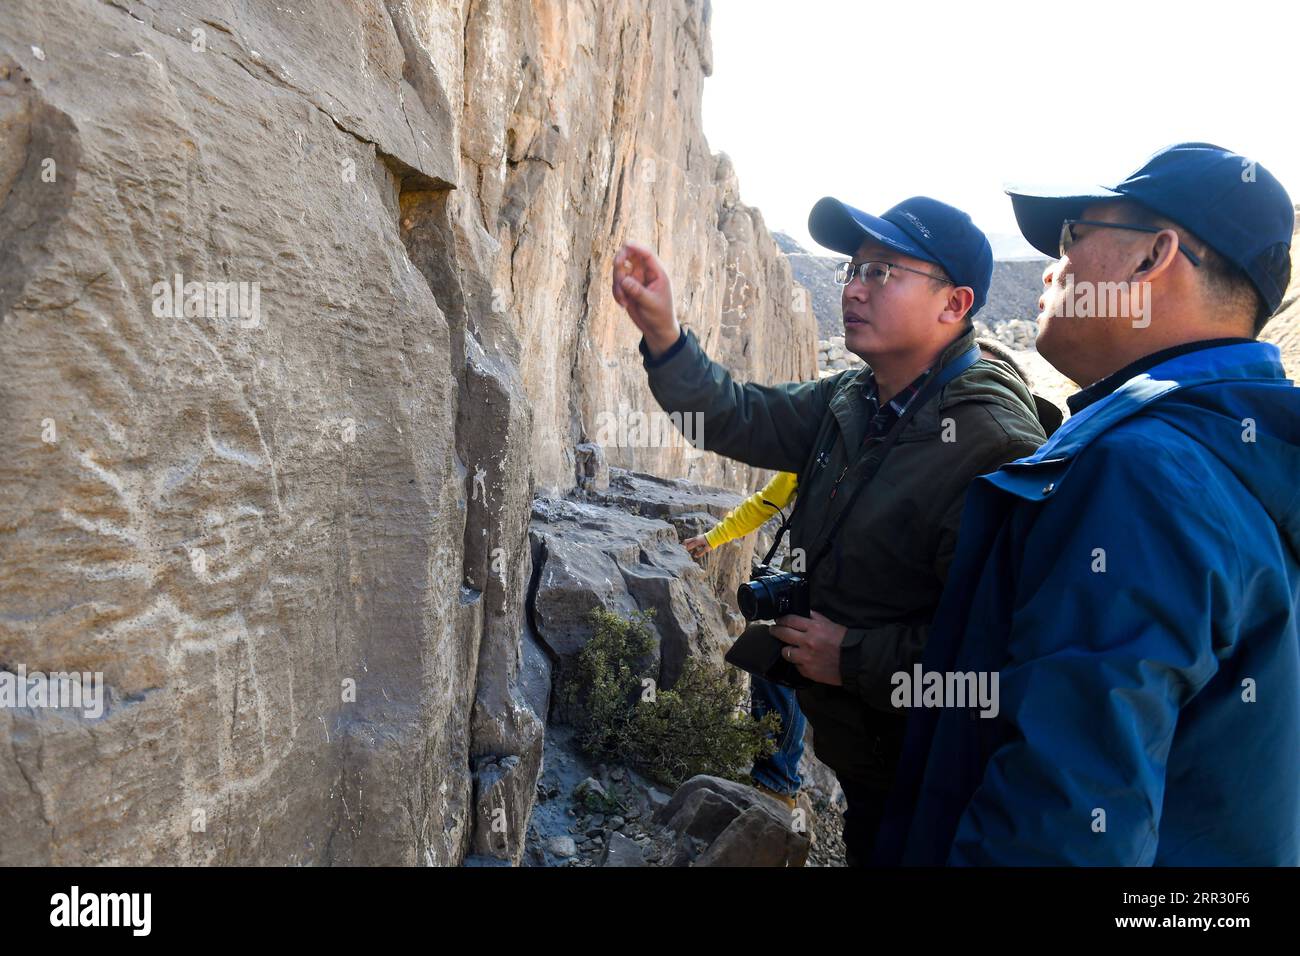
816	273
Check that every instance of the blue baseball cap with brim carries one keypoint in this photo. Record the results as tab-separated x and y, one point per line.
920	227
1229	202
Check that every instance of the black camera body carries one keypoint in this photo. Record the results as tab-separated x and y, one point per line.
771	593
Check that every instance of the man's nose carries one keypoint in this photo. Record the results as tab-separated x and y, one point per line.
856	289
1049	274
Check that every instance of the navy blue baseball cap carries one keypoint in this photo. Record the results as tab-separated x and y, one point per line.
920	227
1232	204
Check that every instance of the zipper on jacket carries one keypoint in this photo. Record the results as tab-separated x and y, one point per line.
836	487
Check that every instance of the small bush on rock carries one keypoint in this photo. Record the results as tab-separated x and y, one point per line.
699	726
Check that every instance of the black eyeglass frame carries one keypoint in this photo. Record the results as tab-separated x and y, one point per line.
1068	238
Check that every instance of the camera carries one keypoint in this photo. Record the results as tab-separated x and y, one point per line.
770	594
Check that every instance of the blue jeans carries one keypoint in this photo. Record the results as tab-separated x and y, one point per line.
780	771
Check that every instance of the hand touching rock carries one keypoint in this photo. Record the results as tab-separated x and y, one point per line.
697	546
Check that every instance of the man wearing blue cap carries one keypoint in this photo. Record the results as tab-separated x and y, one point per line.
1136	581
883	457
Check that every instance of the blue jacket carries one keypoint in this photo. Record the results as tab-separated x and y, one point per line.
1136	585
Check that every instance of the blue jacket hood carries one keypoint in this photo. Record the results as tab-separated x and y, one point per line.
1239	392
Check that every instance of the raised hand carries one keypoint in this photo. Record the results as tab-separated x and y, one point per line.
641	287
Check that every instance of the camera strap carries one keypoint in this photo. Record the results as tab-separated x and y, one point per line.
931	388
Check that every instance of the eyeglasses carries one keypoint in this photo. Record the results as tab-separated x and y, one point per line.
878	272
1068	238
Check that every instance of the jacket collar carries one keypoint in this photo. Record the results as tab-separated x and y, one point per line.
1038	475
926	421
847	403
1100	389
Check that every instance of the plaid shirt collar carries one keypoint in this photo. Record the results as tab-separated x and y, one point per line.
882	419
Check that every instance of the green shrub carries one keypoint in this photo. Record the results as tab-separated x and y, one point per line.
605	682
701	725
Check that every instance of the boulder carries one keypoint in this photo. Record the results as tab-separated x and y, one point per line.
718	822
591	556
621	851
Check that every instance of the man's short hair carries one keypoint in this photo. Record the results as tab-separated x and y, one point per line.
943	277
1228	286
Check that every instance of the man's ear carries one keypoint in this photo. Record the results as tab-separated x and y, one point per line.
1158	255
960	300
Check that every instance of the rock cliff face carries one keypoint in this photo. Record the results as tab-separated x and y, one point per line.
1283	330
298	306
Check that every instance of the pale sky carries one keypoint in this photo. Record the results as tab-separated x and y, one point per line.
874	102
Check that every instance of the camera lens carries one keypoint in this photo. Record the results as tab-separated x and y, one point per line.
746	601
755	600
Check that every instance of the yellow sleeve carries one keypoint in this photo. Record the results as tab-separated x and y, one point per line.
754	510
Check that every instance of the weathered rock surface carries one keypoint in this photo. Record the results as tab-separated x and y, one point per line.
719	822
573	787
1283	329
692	510
589	556
622	851
287	519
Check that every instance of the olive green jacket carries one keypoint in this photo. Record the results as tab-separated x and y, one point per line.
885	571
